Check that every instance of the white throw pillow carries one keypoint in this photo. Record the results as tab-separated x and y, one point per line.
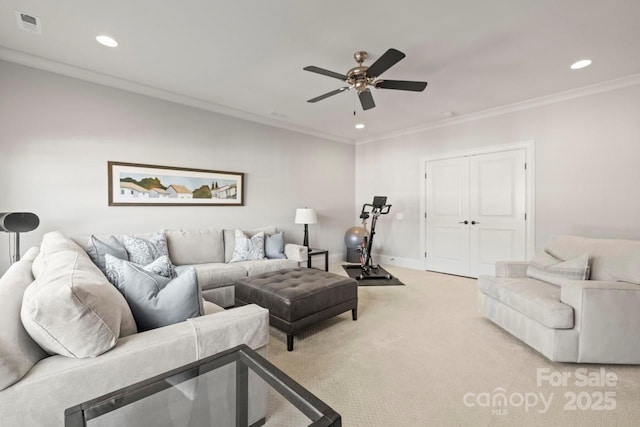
71	308
248	249
550	269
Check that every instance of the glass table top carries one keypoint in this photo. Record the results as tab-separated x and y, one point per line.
235	388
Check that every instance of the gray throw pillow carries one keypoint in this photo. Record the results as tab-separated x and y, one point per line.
157	301
550	269
114	268
97	249
274	246
248	249
142	251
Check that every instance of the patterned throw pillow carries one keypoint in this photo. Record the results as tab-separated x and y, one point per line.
142	251
248	249
115	268
550	269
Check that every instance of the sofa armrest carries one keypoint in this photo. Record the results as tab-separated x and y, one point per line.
248	324
607	318
135	358
296	252
511	268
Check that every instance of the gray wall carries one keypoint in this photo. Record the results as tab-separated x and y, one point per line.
587	168
57	134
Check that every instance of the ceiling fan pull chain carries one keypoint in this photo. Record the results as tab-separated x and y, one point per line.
354	104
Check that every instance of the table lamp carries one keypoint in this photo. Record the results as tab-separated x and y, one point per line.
306	216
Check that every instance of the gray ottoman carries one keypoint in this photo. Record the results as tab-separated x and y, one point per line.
298	297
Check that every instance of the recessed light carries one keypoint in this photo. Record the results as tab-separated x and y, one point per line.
360	126
448	114
106	41
581	64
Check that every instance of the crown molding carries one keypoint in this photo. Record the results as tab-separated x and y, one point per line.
45	64
41	63
609	85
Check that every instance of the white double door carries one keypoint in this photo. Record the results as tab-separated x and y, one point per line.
475	212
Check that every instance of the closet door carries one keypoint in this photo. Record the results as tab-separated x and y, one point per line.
447	198
497	210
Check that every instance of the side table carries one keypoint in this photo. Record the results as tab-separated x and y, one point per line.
314	252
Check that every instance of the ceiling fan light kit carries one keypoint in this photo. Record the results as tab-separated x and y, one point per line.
362	77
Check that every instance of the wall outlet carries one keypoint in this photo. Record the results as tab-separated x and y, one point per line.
400	216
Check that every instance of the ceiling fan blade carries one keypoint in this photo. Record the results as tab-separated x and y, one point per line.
401	85
390	58
366	99
324	72
328	94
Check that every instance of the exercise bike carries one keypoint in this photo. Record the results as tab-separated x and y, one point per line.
369	270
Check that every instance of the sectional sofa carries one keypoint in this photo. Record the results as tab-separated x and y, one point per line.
210	251
37	385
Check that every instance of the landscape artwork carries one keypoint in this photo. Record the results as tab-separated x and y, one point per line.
132	184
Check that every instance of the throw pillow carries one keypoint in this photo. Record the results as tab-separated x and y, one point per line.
230	239
142	251
550	269
161	266
158	301
274	246
18	351
97	249
71	308
248	249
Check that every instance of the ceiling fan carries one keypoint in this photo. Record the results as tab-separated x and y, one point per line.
362	77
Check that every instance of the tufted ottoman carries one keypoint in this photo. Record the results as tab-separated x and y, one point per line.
298	297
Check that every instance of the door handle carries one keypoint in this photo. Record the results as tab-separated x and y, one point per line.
474	223
464	222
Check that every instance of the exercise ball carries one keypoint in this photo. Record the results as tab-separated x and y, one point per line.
352	239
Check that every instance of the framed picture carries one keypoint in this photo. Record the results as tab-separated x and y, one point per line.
132	184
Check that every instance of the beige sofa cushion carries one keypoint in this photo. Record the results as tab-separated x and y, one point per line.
537	300
18	351
215	275
230	239
71	308
195	246
609	259
266	265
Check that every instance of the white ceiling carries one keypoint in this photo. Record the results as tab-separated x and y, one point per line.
247	56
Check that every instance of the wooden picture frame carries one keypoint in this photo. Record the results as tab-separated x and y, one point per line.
134	184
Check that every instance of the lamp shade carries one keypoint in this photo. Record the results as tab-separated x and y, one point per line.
305	216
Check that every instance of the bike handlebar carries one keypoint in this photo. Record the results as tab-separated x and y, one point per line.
382	210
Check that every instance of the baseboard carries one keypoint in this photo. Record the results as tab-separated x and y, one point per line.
337	258
412	263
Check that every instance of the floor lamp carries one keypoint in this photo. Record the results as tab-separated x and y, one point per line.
306	216
18	222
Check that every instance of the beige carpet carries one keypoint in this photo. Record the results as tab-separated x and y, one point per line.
417	350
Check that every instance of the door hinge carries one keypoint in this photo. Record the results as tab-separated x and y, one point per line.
425	254
425	175
425	214
525	166
525	217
